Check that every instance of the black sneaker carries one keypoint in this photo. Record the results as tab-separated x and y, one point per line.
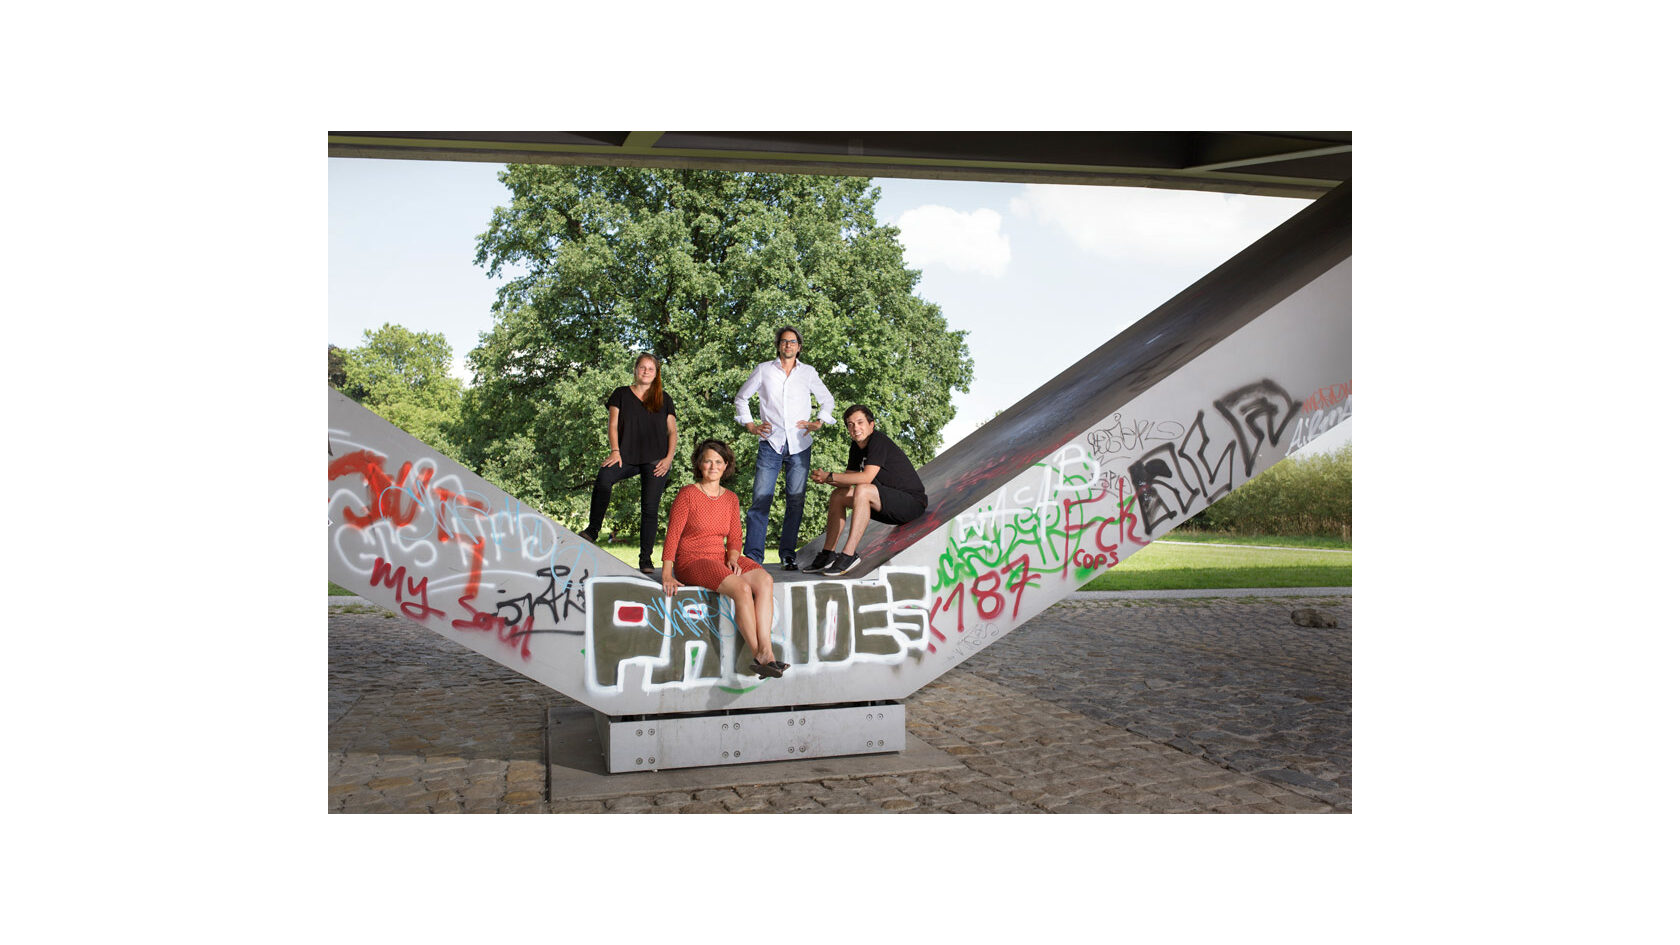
842	563
822	560
788	564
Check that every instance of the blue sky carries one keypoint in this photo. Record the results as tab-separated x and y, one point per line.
1036	274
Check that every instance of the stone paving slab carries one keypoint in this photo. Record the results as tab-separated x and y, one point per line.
1093	707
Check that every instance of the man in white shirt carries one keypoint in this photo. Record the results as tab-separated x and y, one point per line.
784	388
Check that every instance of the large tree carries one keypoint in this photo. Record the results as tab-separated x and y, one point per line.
700	268
335	367
404	377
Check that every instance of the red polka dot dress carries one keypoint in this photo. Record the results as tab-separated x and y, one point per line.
700	530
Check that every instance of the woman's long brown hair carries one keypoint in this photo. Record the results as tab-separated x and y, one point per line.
654	399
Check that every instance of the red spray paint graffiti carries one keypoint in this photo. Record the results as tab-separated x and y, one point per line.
393	499
983	591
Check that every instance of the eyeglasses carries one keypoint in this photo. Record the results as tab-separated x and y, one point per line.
787	341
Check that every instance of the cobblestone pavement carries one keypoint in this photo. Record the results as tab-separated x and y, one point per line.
1233	681
1092	707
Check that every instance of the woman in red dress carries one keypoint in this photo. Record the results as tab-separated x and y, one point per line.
703	549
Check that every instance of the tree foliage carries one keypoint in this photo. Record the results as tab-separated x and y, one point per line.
404	377
701	268
335	367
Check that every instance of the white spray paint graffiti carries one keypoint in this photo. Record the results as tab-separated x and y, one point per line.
423	542
1308	428
689	641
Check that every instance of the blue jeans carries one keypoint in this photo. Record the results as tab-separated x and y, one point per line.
771	463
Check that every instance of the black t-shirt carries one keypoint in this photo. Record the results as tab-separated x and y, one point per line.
642	437
896	470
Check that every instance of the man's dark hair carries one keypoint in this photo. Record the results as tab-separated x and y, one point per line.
858	408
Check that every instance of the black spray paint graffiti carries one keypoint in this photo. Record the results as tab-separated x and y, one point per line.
1127	434
1172	477
563	596
686	641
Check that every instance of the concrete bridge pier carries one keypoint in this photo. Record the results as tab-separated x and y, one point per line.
694	740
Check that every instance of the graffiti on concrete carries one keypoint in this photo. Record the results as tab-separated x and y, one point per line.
438	552
1322	412
1034	529
1202	467
1327	397
1089	505
690	640
978	637
1124	434
560	597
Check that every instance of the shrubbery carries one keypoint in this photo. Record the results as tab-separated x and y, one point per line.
1298	496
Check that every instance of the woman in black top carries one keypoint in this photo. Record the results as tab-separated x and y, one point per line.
642	437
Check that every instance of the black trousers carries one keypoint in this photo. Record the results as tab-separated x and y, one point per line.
652	488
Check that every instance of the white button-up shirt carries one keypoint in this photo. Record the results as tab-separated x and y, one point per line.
784	400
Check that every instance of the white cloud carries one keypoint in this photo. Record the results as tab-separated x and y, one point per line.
966	242
1140	223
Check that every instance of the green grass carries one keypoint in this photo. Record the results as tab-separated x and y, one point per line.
1161	567
624	553
1287	541
1193	565
627	554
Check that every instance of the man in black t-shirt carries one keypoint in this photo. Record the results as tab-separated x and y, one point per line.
879	483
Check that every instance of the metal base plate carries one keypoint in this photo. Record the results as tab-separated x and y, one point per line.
651	743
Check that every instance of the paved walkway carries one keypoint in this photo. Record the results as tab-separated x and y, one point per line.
1133	705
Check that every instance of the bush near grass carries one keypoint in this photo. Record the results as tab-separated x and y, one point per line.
1310	495
1181	536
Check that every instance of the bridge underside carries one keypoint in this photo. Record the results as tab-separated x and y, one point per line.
1270	163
